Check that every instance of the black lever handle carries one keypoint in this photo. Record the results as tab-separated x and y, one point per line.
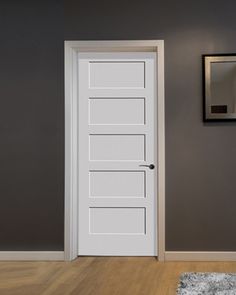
151	166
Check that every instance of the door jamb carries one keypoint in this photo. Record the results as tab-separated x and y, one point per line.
71	134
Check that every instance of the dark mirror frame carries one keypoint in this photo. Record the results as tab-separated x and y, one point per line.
220	112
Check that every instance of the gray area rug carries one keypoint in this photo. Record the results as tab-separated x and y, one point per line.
194	283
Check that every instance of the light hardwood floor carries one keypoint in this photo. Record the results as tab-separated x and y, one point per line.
99	276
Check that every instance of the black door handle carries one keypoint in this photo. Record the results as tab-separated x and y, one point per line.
151	166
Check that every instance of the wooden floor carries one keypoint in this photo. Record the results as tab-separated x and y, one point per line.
99	276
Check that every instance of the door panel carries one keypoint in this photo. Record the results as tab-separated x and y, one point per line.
117	184
117	107
117	220
117	147
122	74
116	111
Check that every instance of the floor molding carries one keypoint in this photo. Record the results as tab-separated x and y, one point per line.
199	256
31	255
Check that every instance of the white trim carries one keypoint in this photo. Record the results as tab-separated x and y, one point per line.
71	173
31	255
70	244
200	256
161	151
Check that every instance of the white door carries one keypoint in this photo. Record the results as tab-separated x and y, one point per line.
117	138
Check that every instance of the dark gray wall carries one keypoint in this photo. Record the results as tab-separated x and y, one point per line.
31	125
200	158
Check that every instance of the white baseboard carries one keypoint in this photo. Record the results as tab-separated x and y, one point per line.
31	255
200	256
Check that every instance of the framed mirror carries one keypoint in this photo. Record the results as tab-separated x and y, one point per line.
219	72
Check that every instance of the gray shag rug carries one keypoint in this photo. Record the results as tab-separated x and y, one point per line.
194	283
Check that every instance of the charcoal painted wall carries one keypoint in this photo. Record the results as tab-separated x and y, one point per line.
31	125
200	157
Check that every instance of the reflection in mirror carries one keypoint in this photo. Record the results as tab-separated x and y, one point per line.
220	87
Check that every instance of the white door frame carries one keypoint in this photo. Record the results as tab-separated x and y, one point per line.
71	133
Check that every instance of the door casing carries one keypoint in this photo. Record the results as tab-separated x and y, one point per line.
71	134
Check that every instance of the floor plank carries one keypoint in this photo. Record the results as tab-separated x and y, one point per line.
100	276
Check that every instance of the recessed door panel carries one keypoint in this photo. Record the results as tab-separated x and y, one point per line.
116	111
117	147
117	184
116	74
117	221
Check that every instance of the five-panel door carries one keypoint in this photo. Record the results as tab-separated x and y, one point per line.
117	138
